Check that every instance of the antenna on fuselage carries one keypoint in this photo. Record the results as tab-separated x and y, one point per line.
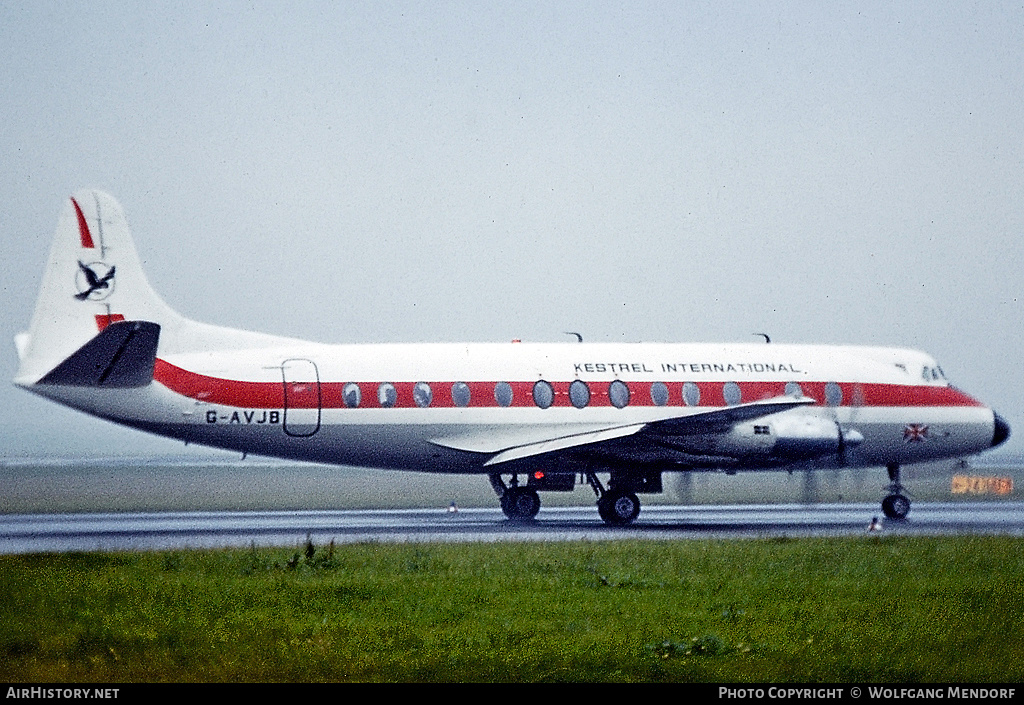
767	339
579	338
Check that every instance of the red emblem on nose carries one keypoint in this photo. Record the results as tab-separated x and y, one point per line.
915	433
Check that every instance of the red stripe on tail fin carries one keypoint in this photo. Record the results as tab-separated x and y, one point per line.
83	227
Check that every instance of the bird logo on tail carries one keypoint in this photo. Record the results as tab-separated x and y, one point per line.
94	281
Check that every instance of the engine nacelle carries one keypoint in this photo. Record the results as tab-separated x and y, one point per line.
786	437
803	436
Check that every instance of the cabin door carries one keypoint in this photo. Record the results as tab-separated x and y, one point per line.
302	397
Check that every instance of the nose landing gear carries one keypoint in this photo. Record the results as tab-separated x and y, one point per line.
895	505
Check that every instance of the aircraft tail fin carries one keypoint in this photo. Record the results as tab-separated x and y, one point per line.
94	279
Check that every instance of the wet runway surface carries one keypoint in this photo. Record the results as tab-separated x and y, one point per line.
26	533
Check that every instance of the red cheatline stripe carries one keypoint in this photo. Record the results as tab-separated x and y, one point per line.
270	395
83	227
251	395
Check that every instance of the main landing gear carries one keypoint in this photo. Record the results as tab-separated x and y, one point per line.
520	503
895	505
617	504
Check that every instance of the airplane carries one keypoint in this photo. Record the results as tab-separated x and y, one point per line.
546	416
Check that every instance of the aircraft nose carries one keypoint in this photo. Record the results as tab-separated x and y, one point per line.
1002	431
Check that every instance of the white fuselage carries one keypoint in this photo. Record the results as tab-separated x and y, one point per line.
440	407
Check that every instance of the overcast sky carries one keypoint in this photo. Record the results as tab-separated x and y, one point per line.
356	172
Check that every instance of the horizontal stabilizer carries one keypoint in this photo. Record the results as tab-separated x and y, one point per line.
121	356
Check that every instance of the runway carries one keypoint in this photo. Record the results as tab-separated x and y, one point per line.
30	533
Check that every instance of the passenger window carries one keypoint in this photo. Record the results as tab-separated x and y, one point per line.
503	394
351	394
618	394
579	394
387	395
857	398
732	394
691	394
422	395
460	394
833	394
793	389
659	394
543	394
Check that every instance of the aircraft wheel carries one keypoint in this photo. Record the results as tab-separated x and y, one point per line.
896	506
618	508
520	503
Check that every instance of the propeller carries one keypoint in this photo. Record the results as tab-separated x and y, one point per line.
811	495
849	438
683	487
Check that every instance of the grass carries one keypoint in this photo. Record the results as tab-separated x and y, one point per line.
885	609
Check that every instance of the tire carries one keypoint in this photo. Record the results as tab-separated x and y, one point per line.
896	506
520	503
618	508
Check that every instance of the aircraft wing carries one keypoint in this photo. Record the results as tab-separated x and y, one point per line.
529	442
550	446
722	419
